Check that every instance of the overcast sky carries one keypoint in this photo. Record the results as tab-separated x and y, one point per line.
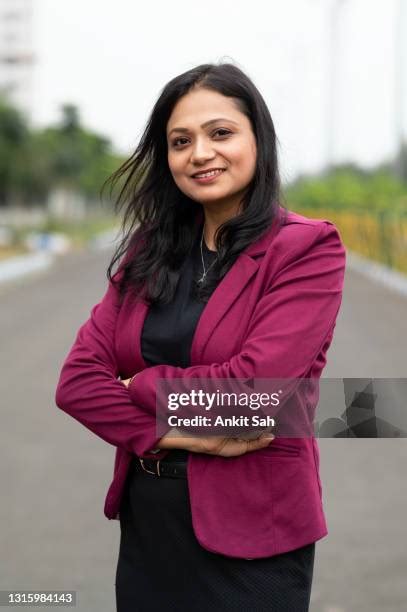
113	58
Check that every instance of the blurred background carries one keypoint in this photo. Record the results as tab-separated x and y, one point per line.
77	83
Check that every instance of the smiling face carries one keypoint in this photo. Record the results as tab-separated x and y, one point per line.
207	132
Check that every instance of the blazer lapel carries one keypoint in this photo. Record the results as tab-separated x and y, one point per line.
227	291
230	288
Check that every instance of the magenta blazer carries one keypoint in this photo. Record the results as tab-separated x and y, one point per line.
271	316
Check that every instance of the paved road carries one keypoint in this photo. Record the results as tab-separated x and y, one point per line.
55	474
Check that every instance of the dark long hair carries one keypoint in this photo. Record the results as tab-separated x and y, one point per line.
159	221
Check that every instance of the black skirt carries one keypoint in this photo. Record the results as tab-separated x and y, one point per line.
162	566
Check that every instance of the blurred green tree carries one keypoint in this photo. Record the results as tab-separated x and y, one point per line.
65	155
14	135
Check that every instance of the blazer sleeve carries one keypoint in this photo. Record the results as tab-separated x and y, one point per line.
89	389
290	324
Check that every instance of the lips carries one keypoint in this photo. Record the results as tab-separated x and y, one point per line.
208	172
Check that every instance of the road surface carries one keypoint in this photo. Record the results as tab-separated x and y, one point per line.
55	473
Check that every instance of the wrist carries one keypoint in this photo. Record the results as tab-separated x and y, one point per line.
172	440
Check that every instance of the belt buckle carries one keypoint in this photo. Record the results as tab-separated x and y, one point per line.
157	473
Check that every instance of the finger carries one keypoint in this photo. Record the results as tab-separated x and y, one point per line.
261	442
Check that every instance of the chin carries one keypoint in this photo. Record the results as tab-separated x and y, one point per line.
210	196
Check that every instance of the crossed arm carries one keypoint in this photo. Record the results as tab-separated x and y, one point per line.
289	326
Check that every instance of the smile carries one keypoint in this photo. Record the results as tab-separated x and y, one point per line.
207	176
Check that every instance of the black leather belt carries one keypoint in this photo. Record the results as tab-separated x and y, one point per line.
167	469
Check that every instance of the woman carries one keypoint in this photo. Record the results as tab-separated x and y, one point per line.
218	281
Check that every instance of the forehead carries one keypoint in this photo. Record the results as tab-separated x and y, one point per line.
201	105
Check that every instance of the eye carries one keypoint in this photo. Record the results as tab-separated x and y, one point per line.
177	142
222	132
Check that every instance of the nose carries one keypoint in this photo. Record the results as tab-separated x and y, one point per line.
202	151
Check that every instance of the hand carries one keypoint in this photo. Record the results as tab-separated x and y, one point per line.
233	447
216	445
127	381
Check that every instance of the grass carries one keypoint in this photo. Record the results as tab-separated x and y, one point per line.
78	232
12	251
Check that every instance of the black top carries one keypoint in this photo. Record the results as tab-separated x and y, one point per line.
168	329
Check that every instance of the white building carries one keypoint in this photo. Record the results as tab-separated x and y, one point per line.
16	52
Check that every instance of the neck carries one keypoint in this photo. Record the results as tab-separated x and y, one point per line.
213	218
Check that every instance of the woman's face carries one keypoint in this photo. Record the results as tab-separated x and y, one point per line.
206	131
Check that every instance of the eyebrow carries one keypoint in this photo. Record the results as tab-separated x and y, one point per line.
184	130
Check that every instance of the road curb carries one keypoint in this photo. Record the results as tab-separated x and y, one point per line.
21	265
378	272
